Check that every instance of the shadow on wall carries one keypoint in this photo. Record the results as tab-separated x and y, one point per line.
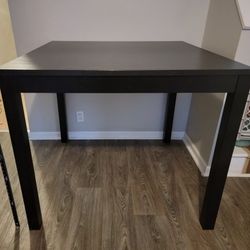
204	115
42	112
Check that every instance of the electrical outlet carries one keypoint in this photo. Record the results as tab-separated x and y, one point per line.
79	116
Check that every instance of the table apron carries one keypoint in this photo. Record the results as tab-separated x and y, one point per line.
122	84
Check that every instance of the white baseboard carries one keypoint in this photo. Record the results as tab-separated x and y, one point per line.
106	135
44	135
198	159
230	173
4	130
200	162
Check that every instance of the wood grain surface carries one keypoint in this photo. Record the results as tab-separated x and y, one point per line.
117	57
133	195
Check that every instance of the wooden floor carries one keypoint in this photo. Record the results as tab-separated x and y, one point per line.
121	195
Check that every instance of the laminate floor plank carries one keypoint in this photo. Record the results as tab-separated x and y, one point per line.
85	228
121	195
155	232
145	193
118	219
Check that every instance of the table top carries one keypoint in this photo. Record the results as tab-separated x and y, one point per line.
121	58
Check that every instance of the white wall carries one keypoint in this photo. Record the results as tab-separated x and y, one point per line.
37	22
243	50
222	35
223	28
7	43
7	49
244	10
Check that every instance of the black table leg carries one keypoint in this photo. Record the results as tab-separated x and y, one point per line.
169	117
233	110
62	116
20	143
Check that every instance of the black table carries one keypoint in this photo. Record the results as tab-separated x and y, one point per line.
124	67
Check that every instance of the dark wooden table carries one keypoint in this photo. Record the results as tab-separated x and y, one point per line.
124	67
